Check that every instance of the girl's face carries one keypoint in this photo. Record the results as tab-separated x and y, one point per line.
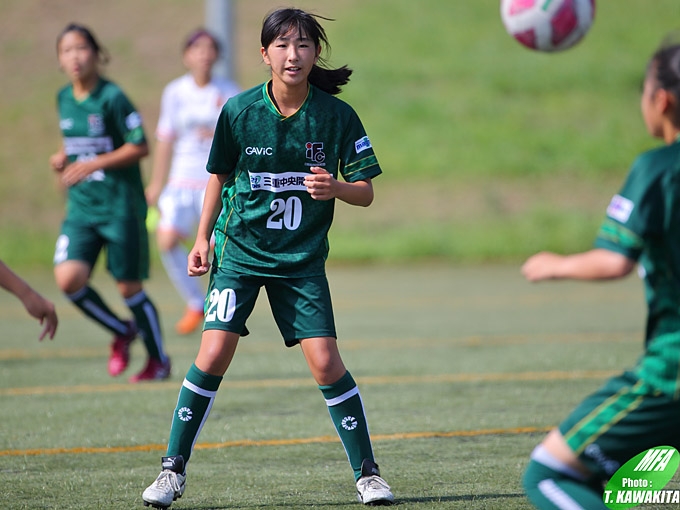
76	57
201	56
291	57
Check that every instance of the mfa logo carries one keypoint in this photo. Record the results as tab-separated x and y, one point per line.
314	152
642	480
185	414
349	423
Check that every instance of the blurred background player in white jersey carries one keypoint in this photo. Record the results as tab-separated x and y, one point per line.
190	106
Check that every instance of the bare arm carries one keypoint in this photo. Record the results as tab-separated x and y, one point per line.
323	186
124	155
36	305
159	172
597	264
198	263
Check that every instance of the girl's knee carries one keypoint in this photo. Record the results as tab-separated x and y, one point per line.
71	276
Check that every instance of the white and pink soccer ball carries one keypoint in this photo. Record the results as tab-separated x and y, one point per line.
548	25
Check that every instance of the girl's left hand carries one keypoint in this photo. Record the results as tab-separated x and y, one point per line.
321	185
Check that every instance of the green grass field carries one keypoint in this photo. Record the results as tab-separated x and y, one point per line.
461	372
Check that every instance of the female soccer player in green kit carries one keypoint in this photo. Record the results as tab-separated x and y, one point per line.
639	409
274	163
98	163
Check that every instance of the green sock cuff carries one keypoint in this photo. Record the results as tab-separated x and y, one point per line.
582	493
340	387
203	380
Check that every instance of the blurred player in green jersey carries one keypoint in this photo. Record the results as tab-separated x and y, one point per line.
640	408
276	160
98	163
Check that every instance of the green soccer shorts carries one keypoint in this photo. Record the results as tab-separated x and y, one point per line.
125	239
624	417
301	307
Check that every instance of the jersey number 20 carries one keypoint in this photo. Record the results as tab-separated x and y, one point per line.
285	213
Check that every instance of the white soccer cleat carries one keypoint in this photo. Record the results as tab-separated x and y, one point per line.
168	486
371	489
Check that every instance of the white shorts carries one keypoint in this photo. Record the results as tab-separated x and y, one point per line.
180	209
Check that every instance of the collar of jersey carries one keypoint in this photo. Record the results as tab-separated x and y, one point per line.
269	101
95	89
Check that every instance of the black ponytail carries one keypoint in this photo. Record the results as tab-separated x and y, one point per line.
664	67
282	21
329	80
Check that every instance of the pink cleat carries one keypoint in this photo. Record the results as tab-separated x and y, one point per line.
120	350
155	370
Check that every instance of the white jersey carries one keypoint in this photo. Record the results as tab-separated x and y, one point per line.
187	120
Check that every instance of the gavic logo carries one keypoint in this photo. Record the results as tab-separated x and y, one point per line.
259	151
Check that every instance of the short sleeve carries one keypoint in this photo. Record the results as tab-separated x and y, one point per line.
634	214
127	120
357	159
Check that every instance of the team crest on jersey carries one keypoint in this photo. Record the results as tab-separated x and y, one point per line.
66	124
95	125
620	208
314	153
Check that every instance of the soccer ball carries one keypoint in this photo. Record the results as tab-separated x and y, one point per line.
547	25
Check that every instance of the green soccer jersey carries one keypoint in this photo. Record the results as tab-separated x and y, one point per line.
643	223
101	123
270	225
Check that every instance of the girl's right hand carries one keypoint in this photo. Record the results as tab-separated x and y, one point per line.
198	261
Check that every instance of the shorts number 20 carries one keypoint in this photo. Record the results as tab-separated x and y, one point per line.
222	305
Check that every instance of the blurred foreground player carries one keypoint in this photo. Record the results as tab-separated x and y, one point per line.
640	408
